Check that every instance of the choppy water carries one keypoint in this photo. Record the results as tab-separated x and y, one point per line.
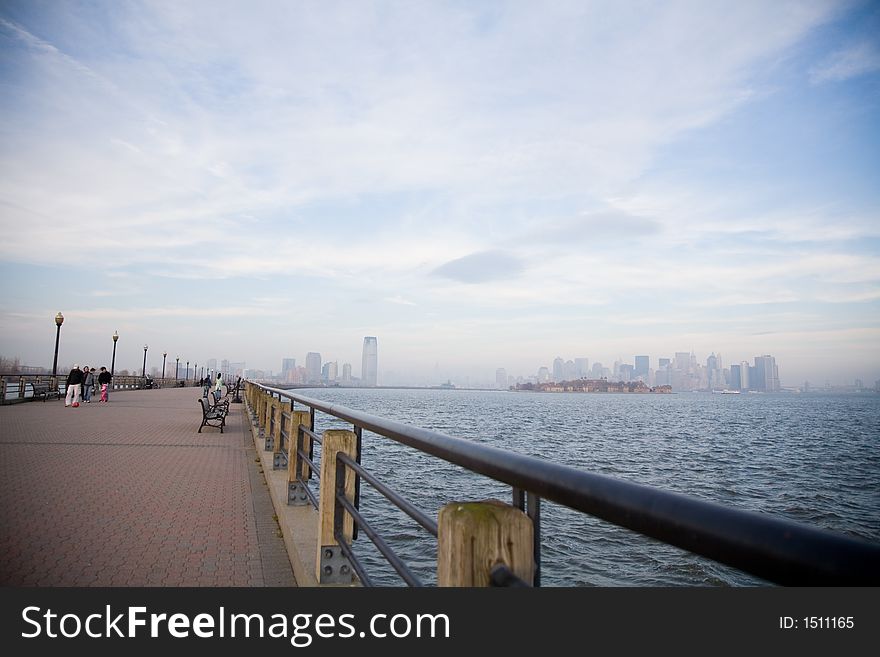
810	458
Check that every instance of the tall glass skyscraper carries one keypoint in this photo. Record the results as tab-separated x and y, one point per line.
370	362
313	367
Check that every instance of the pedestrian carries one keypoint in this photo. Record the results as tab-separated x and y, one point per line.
104	378
88	383
218	385
74	387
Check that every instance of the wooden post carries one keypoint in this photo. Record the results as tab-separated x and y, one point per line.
264	410
272	424
473	537
332	566
293	470
278	439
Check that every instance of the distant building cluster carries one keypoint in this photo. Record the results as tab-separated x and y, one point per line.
680	374
318	372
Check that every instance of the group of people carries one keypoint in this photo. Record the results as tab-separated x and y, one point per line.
82	383
217	386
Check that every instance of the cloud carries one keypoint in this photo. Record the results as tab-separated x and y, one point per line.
481	267
850	62
593	228
399	300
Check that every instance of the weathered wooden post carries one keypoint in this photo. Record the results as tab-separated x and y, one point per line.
332	566
271	424
266	418
296	468
474	537
283	410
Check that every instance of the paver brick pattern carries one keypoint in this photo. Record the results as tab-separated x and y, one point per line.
128	493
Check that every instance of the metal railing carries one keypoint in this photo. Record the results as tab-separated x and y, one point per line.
15	388
775	549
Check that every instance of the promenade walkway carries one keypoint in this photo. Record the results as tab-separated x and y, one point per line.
129	494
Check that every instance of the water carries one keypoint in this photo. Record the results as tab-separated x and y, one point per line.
809	458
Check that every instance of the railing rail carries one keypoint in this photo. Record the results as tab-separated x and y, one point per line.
774	549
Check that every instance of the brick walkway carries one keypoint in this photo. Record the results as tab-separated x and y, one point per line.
129	494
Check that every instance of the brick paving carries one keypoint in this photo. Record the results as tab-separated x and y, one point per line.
128	493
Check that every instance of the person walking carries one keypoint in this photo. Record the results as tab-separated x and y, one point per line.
218	385
104	378
74	387
88	383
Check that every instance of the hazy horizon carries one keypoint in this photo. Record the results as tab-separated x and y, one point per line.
479	185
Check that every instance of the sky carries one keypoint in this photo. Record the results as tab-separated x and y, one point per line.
477	184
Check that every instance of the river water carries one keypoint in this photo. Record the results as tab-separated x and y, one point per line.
810	458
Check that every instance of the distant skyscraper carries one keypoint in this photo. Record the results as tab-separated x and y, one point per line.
288	369
501	378
744	378
329	371
370	362
346	372
558	369
643	364
581	367
735	377
766	374
313	367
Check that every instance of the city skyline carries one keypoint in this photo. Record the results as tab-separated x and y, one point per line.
479	186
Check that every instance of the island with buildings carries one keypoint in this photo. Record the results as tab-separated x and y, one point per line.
595	385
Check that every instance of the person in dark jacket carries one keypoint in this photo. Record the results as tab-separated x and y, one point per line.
104	378
88	384
74	387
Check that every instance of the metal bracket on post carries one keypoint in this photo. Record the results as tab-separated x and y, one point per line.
296	494
335	566
270	442
276	461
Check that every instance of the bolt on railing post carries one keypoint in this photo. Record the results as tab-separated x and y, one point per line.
332	566
474	537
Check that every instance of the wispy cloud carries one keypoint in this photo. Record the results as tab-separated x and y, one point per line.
854	60
481	267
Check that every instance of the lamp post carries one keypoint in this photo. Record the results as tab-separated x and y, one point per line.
145	362
59	320
186	378
113	360
176	367
164	353
195	369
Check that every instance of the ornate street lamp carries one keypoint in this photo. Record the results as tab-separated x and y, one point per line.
164	353
113	360
59	320
186	378
176	367
145	362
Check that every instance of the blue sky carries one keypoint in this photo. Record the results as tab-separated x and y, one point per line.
478	184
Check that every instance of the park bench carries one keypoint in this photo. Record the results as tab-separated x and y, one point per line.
221	403
213	416
43	390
